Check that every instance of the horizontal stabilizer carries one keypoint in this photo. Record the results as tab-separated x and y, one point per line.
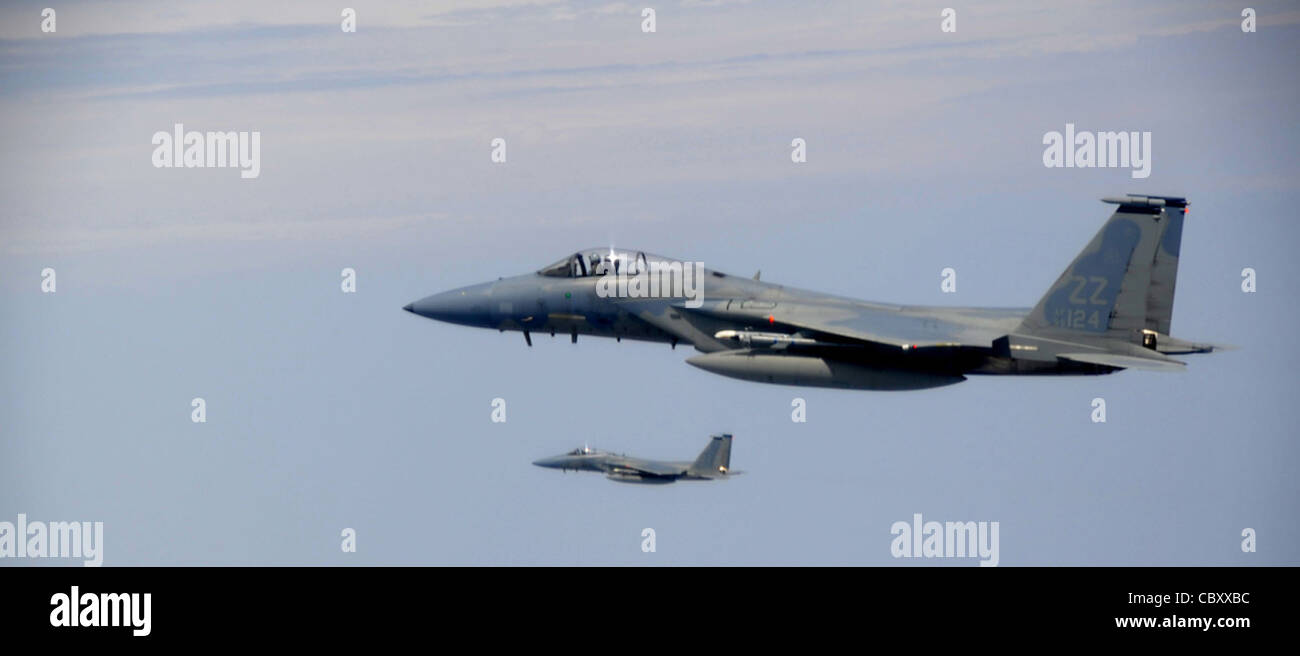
1126	361
1174	346
1219	347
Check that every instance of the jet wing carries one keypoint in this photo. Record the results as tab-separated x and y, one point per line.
890	326
1160	363
646	468
1109	353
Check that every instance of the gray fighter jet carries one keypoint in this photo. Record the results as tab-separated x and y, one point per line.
712	463
1109	310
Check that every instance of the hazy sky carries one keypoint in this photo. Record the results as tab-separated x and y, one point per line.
328	410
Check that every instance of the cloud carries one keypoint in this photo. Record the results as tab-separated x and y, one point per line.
396	119
88	17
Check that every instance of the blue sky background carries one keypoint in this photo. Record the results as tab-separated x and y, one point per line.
329	410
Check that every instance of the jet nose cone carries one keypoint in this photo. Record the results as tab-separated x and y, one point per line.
467	306
547	462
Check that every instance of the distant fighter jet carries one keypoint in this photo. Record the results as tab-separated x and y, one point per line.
712	463
1110	310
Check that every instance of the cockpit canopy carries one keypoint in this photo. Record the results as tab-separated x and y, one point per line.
599	261
582	451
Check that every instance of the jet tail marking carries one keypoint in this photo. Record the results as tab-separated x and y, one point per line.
1122	282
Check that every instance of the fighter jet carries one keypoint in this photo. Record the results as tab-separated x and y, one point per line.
712	463
1109	310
